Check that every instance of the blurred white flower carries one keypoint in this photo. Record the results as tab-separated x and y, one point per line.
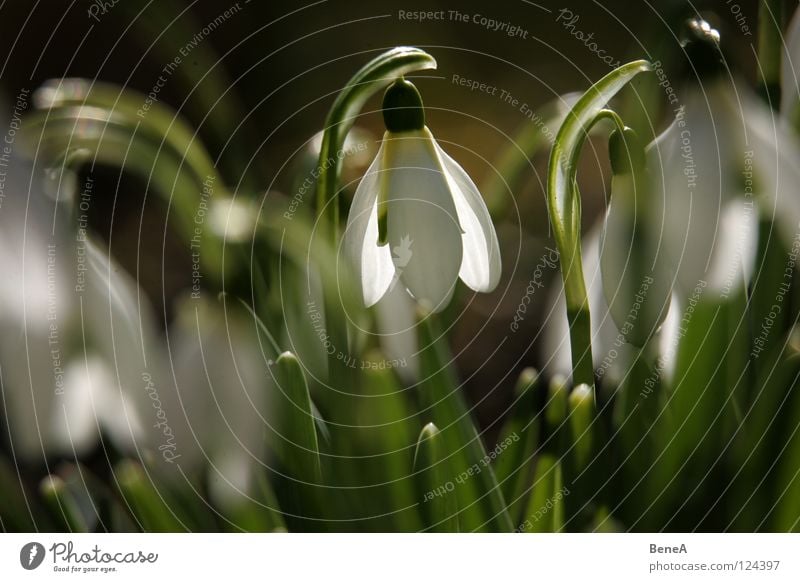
724	159
74	331
417	219
221	399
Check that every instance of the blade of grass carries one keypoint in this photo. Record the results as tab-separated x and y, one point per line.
437	487
481	503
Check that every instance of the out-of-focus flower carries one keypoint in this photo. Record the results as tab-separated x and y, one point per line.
724	159
220	403
417	219
75	334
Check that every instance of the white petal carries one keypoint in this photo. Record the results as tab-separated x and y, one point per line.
75	419
119	326
397	325
696	168
775	152
372	263
424	231
222	383
734	248
480	266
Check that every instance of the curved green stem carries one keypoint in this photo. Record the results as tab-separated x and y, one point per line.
371	78
563	201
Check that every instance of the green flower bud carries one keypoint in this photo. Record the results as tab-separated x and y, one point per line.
402	107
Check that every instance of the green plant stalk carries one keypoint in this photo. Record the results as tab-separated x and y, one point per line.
62	504
296	429
72	136
445	403
770	49
433	467
563	201
159	123
513	466
152	510
545	512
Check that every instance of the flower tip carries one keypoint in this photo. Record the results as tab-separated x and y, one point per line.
625	151
402	107
701	43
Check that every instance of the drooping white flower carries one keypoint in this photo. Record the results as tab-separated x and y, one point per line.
611	353
73	333
220	402
417	219
723	161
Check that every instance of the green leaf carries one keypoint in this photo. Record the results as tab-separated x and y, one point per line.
295	438
384	429
150	505
520	434
545	511
480	499
437	481
563	201
67	504
581	419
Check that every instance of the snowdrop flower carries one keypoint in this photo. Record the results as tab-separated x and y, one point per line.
722	161
220	403
73	332
611	352
417	219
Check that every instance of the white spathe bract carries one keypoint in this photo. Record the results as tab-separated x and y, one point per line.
438	227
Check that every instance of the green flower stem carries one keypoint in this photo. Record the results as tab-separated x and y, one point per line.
770	49
564	206
434	470
371	78
63	504
158	123
445	404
